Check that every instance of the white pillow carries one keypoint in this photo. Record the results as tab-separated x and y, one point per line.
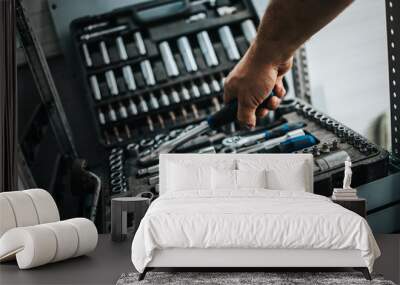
181	177
292	179
230	180
284	172
251	178
223	179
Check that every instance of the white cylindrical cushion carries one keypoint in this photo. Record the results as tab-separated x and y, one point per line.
67	240
33	246
23	208
87	234
7	218
45	206
41	244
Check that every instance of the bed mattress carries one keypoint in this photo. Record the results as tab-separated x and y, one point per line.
250	219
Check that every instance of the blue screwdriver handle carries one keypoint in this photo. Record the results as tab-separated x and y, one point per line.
293	144
283	130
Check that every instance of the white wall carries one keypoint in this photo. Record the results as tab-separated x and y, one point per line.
349	68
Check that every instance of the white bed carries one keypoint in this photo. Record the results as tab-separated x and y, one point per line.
210	226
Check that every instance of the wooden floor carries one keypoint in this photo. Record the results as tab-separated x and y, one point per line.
110	260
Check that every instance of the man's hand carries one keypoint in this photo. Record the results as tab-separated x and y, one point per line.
251	82
286	25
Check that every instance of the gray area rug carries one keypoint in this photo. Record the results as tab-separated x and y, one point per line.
232	278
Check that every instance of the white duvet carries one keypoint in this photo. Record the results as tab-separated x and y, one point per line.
256	218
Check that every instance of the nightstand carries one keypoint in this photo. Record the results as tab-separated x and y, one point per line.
358	206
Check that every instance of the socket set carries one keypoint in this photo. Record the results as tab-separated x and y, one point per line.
154	83
147	69
295	127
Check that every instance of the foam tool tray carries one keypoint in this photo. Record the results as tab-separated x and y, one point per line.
333	143
159	65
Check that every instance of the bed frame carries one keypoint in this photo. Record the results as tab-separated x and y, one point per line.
240	259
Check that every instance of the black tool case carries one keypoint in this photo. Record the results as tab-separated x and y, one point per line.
127	129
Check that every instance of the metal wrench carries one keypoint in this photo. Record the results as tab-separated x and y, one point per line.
226	115
238	141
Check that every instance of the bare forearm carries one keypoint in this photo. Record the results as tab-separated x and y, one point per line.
287	24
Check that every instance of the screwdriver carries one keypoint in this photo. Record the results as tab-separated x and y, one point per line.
291	145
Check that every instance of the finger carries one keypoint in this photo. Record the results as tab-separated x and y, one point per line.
246	115
229	92
279	88
261	112
273	103
228	95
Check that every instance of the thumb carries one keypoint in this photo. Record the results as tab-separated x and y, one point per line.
246	115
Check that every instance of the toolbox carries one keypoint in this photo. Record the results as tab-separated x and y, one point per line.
153	73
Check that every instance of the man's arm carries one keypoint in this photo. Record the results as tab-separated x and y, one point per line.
285	26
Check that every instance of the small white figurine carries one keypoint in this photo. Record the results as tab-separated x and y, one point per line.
347	174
